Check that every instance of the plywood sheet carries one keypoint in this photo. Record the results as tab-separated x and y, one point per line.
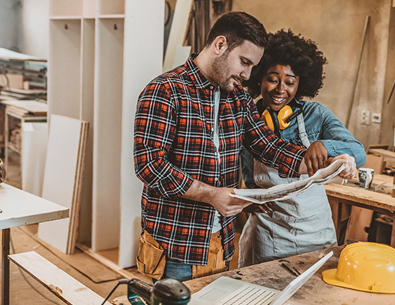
60	176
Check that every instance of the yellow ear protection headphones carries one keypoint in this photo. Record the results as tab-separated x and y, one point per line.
281	120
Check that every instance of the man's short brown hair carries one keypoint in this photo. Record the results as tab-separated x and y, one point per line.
238	27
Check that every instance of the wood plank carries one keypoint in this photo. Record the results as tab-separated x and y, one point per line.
178	31
56	280
375	146
386	154
75	208
33	107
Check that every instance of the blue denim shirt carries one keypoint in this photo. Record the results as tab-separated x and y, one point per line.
321	125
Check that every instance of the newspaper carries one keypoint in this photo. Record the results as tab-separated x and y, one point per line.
329	174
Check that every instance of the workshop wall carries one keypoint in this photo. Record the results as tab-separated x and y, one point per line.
9	24
33	36
337	26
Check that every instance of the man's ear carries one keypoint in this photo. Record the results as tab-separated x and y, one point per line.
220	45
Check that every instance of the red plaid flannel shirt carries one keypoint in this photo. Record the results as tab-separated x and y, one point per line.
173	144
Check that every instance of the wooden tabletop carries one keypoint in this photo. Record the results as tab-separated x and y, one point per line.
22	208
314	291
379	195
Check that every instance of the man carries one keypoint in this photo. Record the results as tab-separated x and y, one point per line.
190	126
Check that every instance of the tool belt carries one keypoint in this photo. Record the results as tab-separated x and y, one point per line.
151	259
215	262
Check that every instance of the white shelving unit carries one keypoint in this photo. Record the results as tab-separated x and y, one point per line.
102	54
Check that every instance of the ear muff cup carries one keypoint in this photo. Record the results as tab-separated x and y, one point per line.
282	116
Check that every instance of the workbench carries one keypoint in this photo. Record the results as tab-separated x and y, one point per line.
314	291
21	208
351	194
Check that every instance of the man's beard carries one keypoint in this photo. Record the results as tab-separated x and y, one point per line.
220	69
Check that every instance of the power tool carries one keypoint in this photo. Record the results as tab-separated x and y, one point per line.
163	292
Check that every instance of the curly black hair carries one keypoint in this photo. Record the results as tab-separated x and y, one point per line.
286	48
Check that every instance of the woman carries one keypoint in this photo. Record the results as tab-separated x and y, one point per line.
292	68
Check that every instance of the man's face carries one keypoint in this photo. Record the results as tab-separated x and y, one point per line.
231	68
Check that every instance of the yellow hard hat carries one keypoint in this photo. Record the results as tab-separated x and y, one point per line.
364	266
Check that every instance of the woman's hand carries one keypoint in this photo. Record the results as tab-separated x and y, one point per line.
315	157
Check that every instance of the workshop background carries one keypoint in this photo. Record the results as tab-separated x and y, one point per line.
356	36
337	26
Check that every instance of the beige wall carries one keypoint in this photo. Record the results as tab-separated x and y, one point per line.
337	26
388	117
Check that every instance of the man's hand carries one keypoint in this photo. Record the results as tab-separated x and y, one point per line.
218	197
227	205
314	159
351	169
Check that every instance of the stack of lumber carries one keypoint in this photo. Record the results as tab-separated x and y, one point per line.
26	108
63	175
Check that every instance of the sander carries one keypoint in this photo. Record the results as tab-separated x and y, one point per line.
163	292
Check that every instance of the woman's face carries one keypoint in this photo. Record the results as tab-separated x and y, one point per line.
279	86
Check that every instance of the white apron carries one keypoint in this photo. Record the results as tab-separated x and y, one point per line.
298	225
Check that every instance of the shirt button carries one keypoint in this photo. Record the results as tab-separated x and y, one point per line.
212	87
212	129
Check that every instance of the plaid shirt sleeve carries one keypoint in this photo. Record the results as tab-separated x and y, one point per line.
154	131
268	148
